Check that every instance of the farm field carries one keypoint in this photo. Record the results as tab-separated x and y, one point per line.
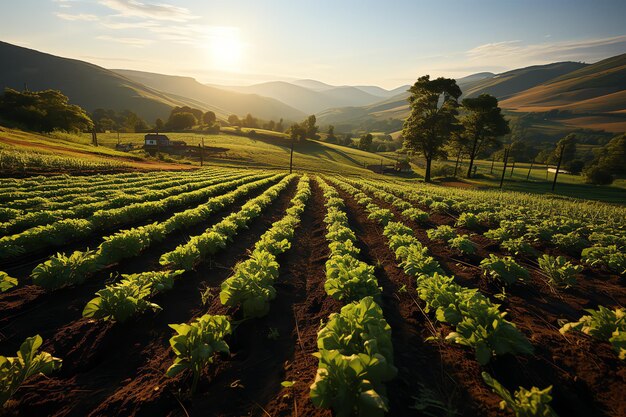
230	291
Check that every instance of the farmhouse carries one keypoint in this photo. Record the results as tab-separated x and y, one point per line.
156	140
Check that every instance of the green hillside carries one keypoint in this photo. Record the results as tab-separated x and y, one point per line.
87	85
221	101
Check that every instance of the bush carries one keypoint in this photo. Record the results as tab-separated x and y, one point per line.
598	175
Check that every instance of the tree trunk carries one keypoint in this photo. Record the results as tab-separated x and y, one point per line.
471	158
427	174
558	167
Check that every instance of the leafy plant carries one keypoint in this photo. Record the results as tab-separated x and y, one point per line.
560	271
349	279
571	243
505	269
130	296
15	370
196	344
524	403
416	261
604	324
468	220
443	232
346	384
6	282
610	257
416	215
518	246
382	216
62	270
463	244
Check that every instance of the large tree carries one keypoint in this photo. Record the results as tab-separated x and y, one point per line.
209	118
43	111
483	124
433	117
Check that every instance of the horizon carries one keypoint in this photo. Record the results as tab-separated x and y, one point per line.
352	43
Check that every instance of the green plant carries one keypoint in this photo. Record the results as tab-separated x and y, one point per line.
6	282
196	343
345	384
571	242
349	279
468	220
382	216
416	215
518	246
15	370
610	257
524	403
463	244
559	270
443	232
62	270
604	324
505	269
130	296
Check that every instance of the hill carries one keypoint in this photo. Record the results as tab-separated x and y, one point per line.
87	85
221	101
599	88
311	96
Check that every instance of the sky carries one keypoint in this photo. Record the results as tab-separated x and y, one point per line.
341	42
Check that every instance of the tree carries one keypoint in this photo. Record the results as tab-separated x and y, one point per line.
310	127
598	175
483	124
159	125
365	142
432	119
330	137
279	125
131	122
297	132
209	118
565	147
197	113
181	121
233	120
250	121
43	111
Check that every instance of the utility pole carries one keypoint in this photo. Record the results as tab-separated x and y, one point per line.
558	166
291	155
530	169
202	153
512	168
94	137
493	161
506	159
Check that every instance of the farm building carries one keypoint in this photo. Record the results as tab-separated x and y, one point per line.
156	140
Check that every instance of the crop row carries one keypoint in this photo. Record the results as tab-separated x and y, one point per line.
64	231
478	322
355	353
61	270
114	200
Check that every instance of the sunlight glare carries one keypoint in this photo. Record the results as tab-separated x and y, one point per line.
226	49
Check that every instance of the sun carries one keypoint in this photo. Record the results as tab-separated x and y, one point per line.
226	49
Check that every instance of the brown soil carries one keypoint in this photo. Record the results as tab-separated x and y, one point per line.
119	369
588	378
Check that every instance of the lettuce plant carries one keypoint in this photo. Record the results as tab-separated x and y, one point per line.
604	324
6	282
560	271
15	370
195	344
524	403
505	269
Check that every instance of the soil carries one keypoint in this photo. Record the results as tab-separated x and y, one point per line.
119	369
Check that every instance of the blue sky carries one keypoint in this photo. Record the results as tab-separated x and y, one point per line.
386	43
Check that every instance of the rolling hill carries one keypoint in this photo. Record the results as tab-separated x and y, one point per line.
594	93
221	101
310	96
87	85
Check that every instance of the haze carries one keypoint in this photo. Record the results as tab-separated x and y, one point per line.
348	42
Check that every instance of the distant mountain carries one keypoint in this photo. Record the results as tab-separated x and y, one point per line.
87	85
596	92
598	88
221	101
315	97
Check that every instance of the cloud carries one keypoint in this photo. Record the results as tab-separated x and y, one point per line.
511	53
80	16
132	8
138	42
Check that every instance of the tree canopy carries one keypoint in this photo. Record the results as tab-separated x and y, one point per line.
43	111
433	117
